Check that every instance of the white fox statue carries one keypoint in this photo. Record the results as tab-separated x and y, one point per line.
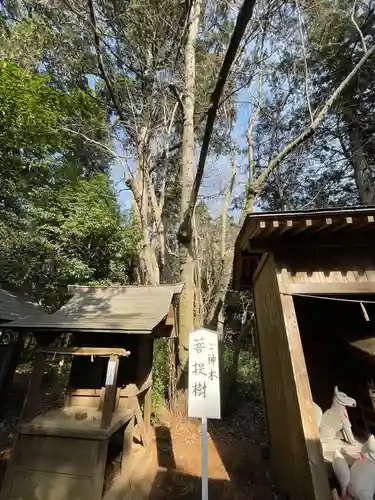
357	482
336	418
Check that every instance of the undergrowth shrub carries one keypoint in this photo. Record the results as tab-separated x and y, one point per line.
160	377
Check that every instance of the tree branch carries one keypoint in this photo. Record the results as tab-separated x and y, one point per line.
309	131
101	67
357	27
101	146
173	89
242	21
300	23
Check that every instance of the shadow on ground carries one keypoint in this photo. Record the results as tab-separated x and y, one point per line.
244	476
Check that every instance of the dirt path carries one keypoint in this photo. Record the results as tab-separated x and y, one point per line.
236	469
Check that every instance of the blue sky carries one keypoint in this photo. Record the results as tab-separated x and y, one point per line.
217	171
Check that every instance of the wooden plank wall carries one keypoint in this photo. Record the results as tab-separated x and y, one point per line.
53	468
327	265
296	459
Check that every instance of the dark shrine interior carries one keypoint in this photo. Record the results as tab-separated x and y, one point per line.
90	373
327	327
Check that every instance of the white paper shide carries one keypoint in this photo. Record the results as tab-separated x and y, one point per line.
204	381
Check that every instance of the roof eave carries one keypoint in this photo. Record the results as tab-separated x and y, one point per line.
62	329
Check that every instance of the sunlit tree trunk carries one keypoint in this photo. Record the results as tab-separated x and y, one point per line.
186	244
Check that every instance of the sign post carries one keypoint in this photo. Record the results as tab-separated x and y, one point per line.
204	387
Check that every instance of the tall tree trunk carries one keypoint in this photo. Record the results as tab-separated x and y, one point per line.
362	171
198	297
215	319
158	240
149	269
185	237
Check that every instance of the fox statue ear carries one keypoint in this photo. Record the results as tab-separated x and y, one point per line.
336	389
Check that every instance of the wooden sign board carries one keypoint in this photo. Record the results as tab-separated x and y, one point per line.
110	378
204	375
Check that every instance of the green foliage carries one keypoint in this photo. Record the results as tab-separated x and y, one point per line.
76	235
248	384
33	139
30	111
160	375
59	219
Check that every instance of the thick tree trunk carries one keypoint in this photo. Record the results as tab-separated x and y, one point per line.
362	171
186	308
158	242
149	270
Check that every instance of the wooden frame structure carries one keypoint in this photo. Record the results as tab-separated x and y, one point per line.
61	453
12	306
279	256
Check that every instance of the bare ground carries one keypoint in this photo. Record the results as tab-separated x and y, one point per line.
235	467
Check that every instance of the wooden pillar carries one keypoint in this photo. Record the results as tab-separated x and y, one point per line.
128	443
305	402
98	479
144	374
148	410
296	454
110	392
9	356
34	391
144	360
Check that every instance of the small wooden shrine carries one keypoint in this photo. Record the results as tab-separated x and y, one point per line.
65	438
312	275
13	306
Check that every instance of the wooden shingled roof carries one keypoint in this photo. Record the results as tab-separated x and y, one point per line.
318	223
122	309
268	231
16	307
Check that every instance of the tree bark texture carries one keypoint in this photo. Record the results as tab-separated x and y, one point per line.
185	236
359	160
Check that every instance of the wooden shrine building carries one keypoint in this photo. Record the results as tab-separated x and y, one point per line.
313	280
90	388
13	306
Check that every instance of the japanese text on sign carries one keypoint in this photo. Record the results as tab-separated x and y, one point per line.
204	381
110	378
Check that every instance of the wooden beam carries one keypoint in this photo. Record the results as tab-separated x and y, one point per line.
148	410
347	221
259	227
286	386
308	241
306	224
251	229
351	287
364	222
80	430
87	351
33	395
128	444
170	318
326	225
110	392
304	401
260	265
141	424
99	472
133	390
288	225
266	228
